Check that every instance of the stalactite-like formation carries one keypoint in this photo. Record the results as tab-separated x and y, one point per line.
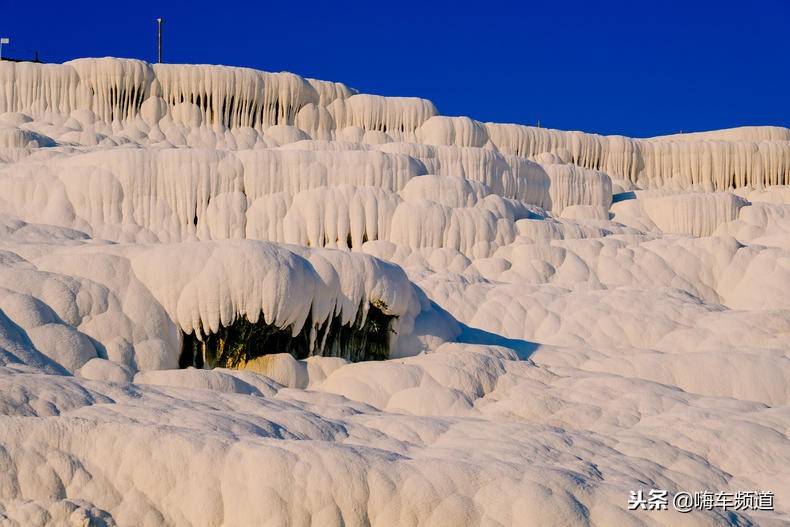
218	99
232	346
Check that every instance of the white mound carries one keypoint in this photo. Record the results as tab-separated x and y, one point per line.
575	318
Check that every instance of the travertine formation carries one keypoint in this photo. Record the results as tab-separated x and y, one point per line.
569	317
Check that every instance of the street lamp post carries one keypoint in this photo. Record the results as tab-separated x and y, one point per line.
159	22
3	40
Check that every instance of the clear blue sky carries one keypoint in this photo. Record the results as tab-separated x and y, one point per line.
638	68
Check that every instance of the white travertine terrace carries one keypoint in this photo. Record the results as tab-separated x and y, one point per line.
122	90
575	316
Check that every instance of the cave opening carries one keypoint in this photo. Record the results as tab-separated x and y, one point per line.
234	345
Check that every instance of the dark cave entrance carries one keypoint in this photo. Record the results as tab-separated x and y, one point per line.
234	345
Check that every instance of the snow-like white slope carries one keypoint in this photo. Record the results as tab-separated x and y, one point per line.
574	317
184	104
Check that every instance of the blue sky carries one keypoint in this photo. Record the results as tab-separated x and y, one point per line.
638	68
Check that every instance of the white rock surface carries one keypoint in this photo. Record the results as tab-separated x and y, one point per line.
578	316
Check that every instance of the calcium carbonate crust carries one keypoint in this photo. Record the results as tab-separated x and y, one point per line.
575	316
